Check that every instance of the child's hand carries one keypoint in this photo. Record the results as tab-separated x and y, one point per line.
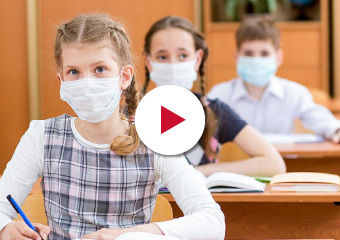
42	229
105	237
336	137
21	231
105	234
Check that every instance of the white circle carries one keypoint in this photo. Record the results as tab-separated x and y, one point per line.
179	138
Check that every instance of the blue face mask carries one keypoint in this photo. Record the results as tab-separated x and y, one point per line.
256	71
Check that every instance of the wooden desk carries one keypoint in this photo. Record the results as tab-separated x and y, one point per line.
305	150
277	215
312	157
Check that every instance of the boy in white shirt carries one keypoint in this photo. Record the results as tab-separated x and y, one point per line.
265	101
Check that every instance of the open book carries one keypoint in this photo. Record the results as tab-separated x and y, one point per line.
229	182
305	182
232	182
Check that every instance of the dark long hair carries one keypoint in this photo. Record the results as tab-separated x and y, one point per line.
200	43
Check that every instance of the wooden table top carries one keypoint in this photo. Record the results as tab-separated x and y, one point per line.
267	196
315	150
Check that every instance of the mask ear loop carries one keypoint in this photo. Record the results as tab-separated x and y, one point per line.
60	78
119	76
131	118
121	71
149	59
196	56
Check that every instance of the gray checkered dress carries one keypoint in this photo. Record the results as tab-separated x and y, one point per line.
86	189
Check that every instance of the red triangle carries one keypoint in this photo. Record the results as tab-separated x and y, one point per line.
169	119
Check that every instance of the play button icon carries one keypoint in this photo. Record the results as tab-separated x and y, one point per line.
170	120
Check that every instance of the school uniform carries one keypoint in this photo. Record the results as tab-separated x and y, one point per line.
282	102
229	124
87	186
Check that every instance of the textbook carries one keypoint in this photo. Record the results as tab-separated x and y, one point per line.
221	182
232	182
305	182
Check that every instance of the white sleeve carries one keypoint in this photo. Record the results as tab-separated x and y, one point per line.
203	216
22	171
316	117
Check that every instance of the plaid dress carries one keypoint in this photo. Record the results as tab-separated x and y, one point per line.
86	189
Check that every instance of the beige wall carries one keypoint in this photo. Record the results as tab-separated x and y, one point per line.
136	15
14	118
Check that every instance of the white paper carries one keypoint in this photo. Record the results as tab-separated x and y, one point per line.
144	236
140	236
278	138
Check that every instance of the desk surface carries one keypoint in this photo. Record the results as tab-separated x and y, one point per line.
267	196
305	150
277	215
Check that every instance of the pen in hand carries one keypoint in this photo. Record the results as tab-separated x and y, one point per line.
22	214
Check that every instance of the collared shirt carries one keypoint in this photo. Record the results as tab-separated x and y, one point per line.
282	102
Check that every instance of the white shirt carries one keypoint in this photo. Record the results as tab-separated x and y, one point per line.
203	217
282	102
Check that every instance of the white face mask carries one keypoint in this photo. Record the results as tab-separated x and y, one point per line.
92	99
179	74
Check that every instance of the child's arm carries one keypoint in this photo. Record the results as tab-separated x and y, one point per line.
264	160
315	117
203	217
21	173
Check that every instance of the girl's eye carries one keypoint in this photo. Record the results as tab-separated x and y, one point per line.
161	58
248	53
100	69
183	56
265	54
73	72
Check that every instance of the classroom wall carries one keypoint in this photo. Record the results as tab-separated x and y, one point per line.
336	47
305	47
136	15
14	118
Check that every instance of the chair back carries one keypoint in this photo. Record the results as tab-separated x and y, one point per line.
162	211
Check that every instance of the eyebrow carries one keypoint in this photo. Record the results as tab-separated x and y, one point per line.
161	51
179	49
70	66
93	64
96	63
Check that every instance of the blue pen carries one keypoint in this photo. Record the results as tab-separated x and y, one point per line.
22	214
